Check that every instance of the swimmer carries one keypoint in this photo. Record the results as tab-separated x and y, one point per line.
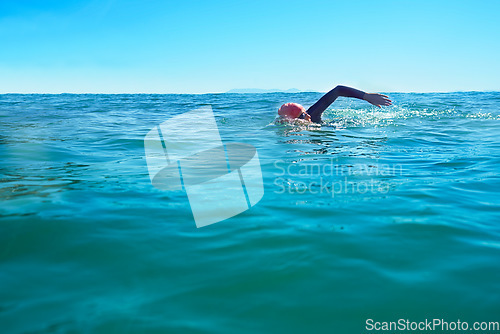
290	111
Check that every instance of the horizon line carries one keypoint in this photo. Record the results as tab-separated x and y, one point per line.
228	92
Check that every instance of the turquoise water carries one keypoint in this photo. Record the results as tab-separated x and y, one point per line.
380	214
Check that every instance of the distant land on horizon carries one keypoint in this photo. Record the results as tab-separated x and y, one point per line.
295	90
259	90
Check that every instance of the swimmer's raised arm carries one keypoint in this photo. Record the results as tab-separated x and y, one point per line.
324	102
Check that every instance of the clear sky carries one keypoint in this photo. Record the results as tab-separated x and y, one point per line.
132	46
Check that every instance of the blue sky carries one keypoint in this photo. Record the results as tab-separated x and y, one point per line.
133	46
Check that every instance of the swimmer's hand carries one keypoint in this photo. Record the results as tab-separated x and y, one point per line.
377	99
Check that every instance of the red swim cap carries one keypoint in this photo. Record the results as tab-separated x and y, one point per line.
291	110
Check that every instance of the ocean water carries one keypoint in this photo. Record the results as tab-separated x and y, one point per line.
381	214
